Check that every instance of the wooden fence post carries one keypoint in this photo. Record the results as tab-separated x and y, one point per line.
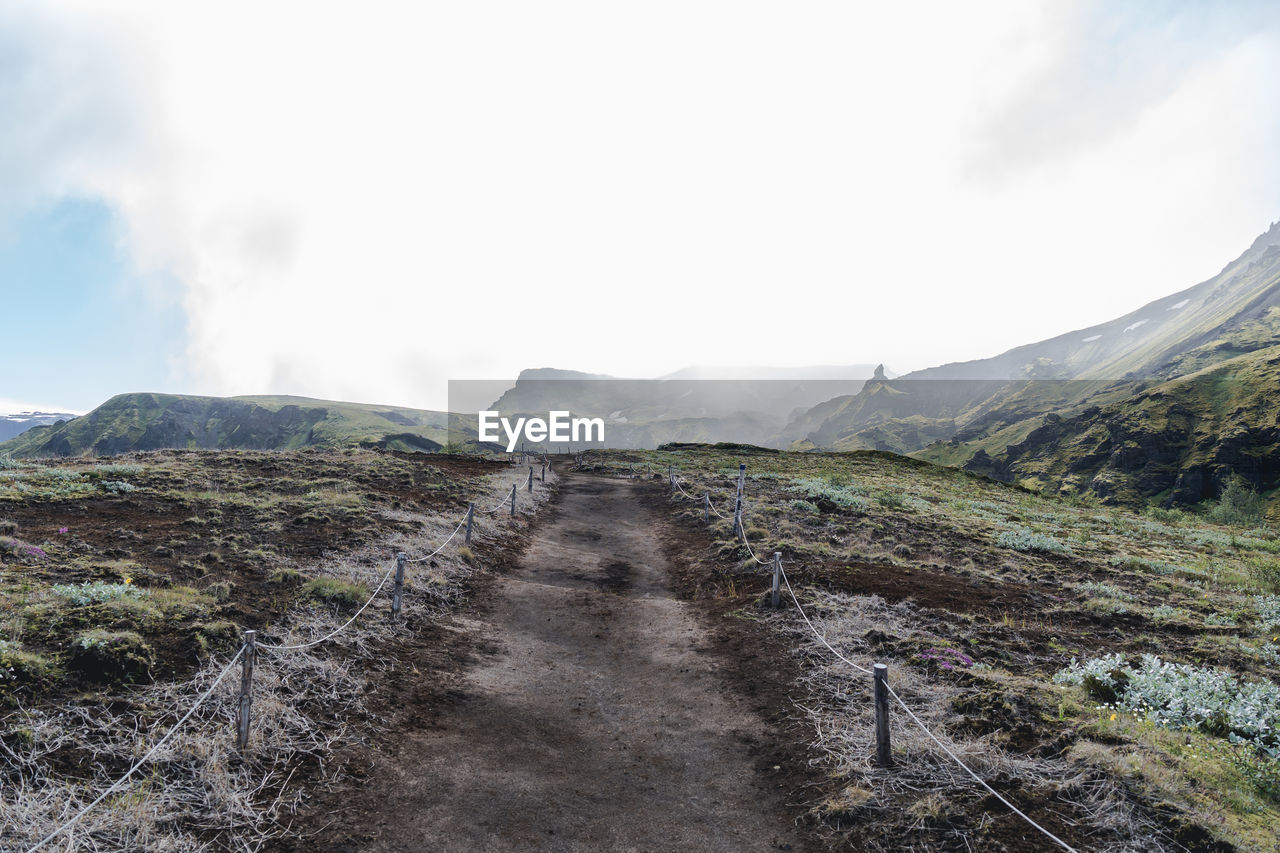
671	476
397	591
471	512
706	507
246	687
777	578
884	756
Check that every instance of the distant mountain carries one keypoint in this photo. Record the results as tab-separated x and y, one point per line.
17	424
980	414
826	372
159	421
737	404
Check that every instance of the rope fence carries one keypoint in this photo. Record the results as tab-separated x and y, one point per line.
247	652
882	690
144	759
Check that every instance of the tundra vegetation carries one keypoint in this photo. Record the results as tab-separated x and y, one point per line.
125	584
1114	673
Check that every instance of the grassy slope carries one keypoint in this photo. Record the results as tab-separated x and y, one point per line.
1179	439
934	558
1231	316
148	421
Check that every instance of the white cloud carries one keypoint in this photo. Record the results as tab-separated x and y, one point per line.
13	407
72	104
363	205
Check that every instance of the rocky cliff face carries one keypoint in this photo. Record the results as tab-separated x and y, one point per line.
1178	442
1079	412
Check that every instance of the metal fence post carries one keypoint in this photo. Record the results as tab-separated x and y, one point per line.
884	756
471	512
671	476
777	578
513	500
246	687
397	591
706	507
543	476
531	478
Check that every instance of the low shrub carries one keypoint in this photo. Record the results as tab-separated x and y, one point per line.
97	592
20	668
890	500
1179	696
214	636
1268	608
1022	539
842	495
220	591
289	577
1105	590
1238	504
1266	573
109	656
336	592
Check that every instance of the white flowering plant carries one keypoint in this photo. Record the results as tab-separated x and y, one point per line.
1179	696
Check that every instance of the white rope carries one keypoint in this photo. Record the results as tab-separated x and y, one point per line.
675	482
743	534
710	505
1064	845
822	639
500	505
230	664
442	544
144	759
335	631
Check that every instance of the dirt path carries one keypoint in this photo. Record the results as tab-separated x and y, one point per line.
595	717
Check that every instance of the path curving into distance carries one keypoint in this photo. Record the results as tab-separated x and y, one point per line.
595	716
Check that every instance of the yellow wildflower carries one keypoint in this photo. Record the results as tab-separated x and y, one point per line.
128	579
1113	716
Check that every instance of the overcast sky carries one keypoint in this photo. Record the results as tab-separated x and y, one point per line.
361	201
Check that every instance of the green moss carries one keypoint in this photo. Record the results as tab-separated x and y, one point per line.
112	656
215	636
20	668
287	577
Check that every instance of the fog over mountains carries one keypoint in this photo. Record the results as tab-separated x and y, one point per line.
1164	403
19	422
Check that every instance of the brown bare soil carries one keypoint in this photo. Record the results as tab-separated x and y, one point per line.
580	705
233	518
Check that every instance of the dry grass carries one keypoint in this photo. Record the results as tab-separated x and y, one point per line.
926	794
198	793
